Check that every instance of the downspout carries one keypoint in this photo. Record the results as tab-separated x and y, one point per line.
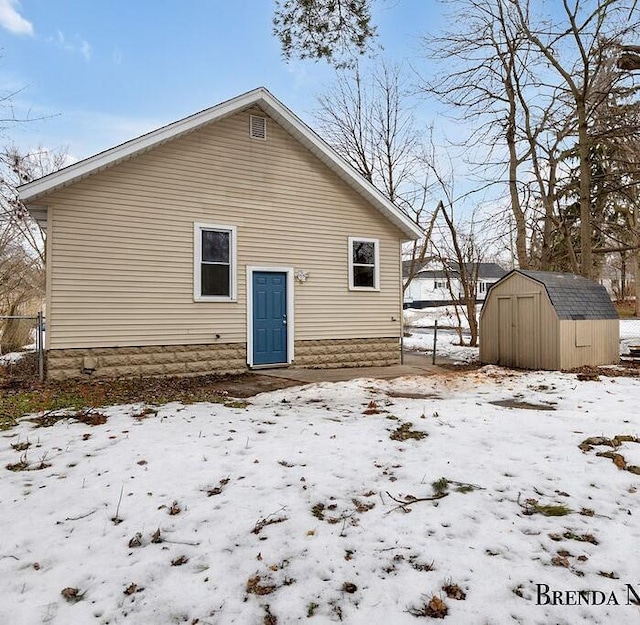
401	307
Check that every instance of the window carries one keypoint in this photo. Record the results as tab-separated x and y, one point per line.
440	284
364	264
215	263
482	287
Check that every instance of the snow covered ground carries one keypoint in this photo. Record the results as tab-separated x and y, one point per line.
12	357
307	506
426	317
447	345
418	324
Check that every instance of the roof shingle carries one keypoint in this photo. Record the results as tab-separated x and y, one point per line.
574	297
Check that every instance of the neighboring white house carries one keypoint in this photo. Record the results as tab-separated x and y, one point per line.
436	284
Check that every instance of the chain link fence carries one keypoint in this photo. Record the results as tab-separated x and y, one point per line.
431	331
629	338
37	324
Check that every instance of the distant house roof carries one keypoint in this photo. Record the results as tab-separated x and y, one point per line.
486	271
31	192
574	297
417	266
438	274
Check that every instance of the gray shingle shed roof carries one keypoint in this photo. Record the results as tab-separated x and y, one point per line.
574	297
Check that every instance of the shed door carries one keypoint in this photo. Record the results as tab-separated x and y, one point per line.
269	317
519	331
527	331
506	353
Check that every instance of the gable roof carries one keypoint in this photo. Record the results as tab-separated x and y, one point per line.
574	297
31	192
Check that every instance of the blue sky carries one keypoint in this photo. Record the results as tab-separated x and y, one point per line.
99	72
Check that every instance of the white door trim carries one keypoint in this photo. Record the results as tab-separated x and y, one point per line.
290	309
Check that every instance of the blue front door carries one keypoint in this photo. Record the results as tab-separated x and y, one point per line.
269	317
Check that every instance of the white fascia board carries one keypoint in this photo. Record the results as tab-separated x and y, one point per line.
121	152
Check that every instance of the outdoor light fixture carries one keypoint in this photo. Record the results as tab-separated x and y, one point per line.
301	276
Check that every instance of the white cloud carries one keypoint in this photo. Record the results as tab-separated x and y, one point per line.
85	50
75	46
11	20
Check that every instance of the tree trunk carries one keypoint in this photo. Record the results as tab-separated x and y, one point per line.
635	268
586	231
516	209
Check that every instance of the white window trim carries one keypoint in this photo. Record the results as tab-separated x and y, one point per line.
197	261
376	269
290	311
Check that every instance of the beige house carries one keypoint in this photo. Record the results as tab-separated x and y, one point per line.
545	320
233	238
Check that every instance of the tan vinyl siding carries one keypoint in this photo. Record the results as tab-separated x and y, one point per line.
547	332
562	344
121	253
604	339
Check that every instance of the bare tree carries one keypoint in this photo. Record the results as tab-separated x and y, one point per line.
368	119
485	70
22	241
536	82
575	48
21	282
460	255
18	168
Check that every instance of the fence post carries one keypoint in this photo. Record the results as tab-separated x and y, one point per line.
40	346
435	340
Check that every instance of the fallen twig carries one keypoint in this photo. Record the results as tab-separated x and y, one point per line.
82	516
475	486
270	519
181	542
116	519
411	500
345	518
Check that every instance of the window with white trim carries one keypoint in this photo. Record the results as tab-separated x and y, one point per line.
364	264
215	262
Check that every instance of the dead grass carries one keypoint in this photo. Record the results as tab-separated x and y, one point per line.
255	586
625	308
21	393
434	608
617	458
404	433
532	506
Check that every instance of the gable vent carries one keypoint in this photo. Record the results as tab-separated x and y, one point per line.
258	127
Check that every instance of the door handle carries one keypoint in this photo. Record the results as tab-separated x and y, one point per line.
284	319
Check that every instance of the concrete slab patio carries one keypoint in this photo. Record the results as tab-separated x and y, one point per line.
414	364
